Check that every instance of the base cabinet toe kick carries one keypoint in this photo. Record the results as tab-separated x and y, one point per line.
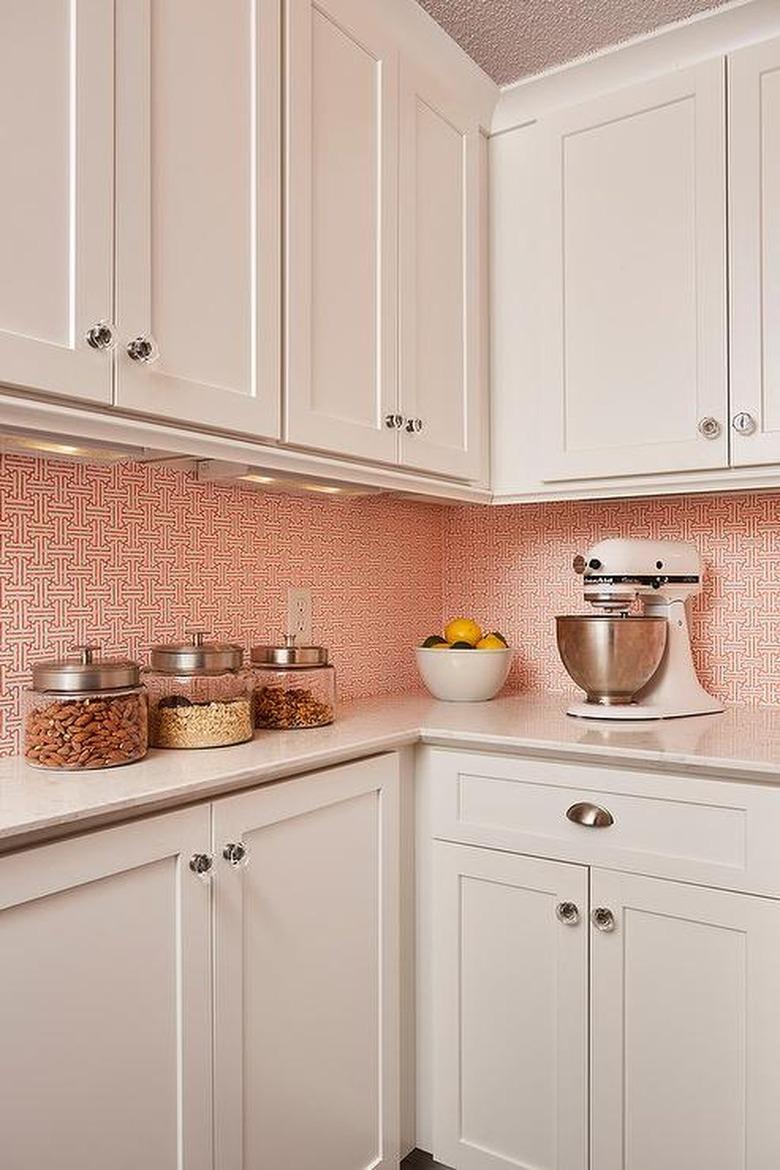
500	960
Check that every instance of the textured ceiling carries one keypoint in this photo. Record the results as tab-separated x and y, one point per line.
513	38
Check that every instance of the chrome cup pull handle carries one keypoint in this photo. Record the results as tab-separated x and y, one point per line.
590	815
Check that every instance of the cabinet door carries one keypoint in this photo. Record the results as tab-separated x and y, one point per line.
633	337
342	176
442	285
56	138
198	167
685	1028
306	973
510	1012
754	157
105	1000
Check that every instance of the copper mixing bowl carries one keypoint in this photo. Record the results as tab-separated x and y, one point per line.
611	657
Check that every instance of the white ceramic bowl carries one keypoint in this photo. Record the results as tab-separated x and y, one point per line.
464	676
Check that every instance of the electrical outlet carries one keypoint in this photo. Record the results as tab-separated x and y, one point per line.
299	615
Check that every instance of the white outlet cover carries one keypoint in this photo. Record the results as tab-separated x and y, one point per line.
299	615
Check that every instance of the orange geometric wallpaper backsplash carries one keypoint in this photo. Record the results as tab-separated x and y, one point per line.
512	565
128	556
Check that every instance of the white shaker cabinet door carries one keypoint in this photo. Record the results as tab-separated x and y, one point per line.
56	195
510	1011
633	247
105	1000
198	199
341	217
442	280
754	155
306	1073
685	1027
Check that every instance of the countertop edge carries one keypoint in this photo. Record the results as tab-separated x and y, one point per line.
38	806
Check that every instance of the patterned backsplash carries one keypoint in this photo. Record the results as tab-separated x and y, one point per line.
128	556
512	566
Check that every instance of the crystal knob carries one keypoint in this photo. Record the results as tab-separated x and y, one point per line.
414	426
709	427
201	864
142	349
567	913
235	853
394	422
743	423
100	335
603	919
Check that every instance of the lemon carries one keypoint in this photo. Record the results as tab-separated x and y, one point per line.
494	641
463	630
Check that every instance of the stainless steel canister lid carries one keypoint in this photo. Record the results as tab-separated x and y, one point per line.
197	656
85	673
289	655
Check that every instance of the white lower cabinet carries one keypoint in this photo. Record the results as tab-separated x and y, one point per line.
676	985
245	1019
510	1011
685	1027
105	1057
306	1024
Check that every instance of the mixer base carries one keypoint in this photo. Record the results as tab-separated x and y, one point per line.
644	711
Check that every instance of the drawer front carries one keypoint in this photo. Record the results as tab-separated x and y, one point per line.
711	832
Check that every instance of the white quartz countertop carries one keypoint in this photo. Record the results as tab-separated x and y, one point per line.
741	744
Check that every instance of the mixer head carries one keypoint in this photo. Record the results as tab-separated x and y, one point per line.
617	571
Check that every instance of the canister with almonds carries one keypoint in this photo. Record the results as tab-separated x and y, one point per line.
85	712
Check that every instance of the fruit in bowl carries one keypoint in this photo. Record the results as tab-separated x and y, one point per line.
459	677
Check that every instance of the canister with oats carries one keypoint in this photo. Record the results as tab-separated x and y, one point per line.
85	712
199	696
293	686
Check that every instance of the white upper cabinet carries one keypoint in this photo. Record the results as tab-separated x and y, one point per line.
56	195
754	149
441	280
342	177
632	280
685	1027
198	212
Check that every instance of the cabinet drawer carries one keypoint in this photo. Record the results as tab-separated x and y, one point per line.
709	831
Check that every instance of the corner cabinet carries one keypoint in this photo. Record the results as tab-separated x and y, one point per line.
211	989
587	1009
443	302
633	280
386	290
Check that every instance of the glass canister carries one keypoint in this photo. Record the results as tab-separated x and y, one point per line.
199	696
85	712
294	686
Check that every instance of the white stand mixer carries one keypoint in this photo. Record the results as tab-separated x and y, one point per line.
662	575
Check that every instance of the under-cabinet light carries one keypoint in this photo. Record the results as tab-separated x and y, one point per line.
66	447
